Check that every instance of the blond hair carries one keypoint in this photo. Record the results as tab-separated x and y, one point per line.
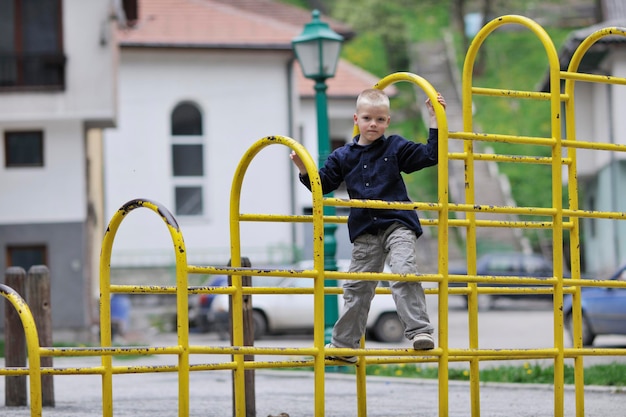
372	97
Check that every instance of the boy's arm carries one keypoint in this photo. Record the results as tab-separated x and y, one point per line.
298	163
431	111
329	174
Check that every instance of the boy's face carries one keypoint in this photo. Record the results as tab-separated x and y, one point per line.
372	122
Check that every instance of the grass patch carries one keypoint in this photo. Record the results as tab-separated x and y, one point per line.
613	374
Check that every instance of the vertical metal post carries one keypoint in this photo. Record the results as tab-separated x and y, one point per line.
331	308
15	348
40	306
248	340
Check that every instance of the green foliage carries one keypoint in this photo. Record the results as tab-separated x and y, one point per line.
427	20
386	21
299	3
367	51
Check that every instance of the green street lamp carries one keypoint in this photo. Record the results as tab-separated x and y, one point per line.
317	50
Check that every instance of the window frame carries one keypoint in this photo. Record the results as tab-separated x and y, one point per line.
11	248
40	149
186	181
47	66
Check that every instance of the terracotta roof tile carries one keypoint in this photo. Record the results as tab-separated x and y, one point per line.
259	24
287	13
348	82
235	23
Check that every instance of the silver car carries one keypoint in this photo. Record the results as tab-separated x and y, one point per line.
288	313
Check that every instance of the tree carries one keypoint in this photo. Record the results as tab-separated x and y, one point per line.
384	19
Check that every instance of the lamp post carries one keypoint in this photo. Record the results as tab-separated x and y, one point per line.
317	50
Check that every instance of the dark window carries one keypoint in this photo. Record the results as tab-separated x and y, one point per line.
23	149
26	256
31	44
186	120
187	160
188	201
131	12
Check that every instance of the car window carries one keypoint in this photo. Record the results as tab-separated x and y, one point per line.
298	282
266	281
533	265
502	264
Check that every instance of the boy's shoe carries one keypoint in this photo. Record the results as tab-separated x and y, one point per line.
423	341
349	359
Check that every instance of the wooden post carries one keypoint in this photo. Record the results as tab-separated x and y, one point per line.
15	341
248	340
39	303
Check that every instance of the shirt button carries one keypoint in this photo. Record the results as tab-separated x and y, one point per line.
375	218
367	184
365	166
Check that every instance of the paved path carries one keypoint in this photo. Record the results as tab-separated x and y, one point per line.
291	392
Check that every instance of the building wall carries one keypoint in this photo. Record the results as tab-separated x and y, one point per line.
54	192
90	66
48	205
243	97
71	300
603	239
602	174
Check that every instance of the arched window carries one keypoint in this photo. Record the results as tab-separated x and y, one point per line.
186	120
187	159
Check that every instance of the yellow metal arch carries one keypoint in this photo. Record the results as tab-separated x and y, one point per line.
318	262
555	142
32	347
181	300
571	76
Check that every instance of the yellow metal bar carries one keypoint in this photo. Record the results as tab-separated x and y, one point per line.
615	147
491	137
595	78
442	208
546	160
361	383
570	118
181	302
286	218
499	92
318	263
554	98
32	346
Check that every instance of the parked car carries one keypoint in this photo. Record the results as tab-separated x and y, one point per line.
507	264
200	305
603	310
202	316
284	313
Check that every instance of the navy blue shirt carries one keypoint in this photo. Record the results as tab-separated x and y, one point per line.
373	172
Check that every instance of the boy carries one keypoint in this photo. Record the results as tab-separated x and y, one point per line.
371	166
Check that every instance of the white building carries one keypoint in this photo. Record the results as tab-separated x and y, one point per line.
199	83
599	110
57	90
